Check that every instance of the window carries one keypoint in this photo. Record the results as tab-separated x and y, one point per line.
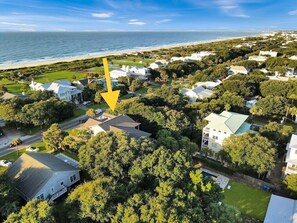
41	197
219	130
74	177
214	130
62	183
214	137
71	179
296	151
225	132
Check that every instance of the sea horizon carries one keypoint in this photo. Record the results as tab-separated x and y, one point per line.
22	49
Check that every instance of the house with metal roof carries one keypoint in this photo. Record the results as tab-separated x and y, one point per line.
221	126
281	210
62	89
238	70
42	176
197	93
108	122
291	156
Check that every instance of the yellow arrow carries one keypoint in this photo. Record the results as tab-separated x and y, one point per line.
111	97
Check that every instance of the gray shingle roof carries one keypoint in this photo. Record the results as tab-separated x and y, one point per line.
32	171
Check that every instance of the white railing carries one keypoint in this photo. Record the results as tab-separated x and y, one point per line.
57	194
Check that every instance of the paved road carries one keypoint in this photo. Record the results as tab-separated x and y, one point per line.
28	140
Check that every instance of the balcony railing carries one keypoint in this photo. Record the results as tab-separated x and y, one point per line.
57	194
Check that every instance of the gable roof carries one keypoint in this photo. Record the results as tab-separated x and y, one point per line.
282	210
238	68
84	81
227	121
8	95
32	171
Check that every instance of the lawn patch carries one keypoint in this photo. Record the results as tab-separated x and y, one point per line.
250	201
59	75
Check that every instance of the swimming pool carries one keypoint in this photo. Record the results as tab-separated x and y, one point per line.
206	175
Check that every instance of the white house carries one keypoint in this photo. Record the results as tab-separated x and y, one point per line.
291	72
293	57
238	70
268	53
199	56
42	175
130	71
291	156
281	210
258	58
62	89
221	126
208	84
108	122
197	93
158	64
184	59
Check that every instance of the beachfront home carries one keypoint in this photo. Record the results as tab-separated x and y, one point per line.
268	53
108	122
62	89
158	64
281	210
184	59
221	126
291	156
258	58
197	93
199	56
130	71
238	70
42	176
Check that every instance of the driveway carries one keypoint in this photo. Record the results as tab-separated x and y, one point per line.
9	135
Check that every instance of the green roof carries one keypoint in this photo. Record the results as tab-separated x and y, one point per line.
230	122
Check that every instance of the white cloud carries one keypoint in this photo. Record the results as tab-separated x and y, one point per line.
102	15
136	22
231	8
294	12
163	21
17	24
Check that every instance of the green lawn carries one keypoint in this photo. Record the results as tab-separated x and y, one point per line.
96	106
250	201
141	91
133	61
79	112
59	75
16	88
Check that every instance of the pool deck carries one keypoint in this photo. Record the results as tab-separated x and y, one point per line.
221	180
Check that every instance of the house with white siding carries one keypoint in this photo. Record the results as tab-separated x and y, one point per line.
130	71
291	156
238	70
62	89
268	53
258	58
222	126
197	93
42	176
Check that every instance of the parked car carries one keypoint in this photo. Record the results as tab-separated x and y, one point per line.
5	163
15	142
32	149
86	102
98	111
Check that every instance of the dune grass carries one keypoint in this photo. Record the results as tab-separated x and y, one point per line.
250	201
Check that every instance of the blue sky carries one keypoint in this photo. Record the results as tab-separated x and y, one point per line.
146	15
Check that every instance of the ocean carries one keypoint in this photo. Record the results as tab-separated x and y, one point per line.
20	48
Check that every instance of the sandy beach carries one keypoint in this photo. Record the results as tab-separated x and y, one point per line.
36	63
